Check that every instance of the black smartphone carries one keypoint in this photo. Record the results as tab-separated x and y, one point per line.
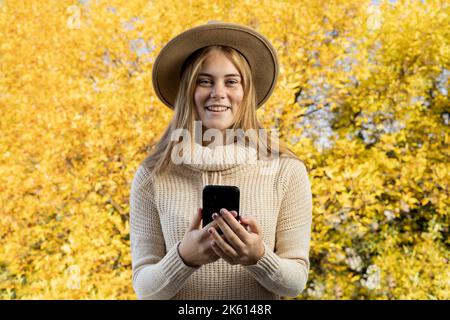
216	197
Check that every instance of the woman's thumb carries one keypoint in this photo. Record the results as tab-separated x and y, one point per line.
250	224
196	220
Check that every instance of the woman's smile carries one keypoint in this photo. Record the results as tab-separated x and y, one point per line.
217	109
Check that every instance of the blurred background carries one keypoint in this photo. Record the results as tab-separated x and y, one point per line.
362	97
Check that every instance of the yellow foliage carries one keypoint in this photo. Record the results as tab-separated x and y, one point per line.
79	115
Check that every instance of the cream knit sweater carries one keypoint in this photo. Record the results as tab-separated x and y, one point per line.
275	192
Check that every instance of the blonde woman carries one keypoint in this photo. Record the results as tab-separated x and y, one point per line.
214	77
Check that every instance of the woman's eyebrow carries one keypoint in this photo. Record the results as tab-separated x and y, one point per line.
227	75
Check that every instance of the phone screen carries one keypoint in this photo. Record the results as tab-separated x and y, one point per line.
216	197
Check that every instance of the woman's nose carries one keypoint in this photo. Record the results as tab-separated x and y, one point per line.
217	91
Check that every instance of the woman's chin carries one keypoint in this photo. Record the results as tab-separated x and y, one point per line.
216	125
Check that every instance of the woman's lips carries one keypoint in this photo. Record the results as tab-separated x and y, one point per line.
217	111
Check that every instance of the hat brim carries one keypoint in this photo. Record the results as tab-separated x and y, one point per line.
258	51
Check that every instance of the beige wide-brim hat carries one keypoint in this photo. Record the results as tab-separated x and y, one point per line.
256	48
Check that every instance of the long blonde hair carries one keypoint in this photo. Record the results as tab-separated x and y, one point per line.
159	160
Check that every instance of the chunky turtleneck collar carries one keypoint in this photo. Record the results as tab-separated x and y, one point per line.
218	159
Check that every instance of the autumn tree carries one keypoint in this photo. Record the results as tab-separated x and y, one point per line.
362	97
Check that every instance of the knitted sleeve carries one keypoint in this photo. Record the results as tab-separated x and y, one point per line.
157	274
284	271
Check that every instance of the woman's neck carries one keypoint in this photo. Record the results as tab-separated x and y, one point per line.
211	141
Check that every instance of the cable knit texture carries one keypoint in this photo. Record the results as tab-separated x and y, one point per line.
276	192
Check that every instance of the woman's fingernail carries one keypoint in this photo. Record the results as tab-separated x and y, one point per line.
214	215
234	213
222	211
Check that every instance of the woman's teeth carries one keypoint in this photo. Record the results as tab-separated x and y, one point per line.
217	109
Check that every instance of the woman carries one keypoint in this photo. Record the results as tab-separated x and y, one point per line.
217	75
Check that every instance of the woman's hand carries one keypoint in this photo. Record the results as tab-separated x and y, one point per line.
239	246
195	248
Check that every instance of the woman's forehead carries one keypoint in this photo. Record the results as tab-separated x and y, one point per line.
218	66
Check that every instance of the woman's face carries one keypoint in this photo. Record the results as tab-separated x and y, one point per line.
218	92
